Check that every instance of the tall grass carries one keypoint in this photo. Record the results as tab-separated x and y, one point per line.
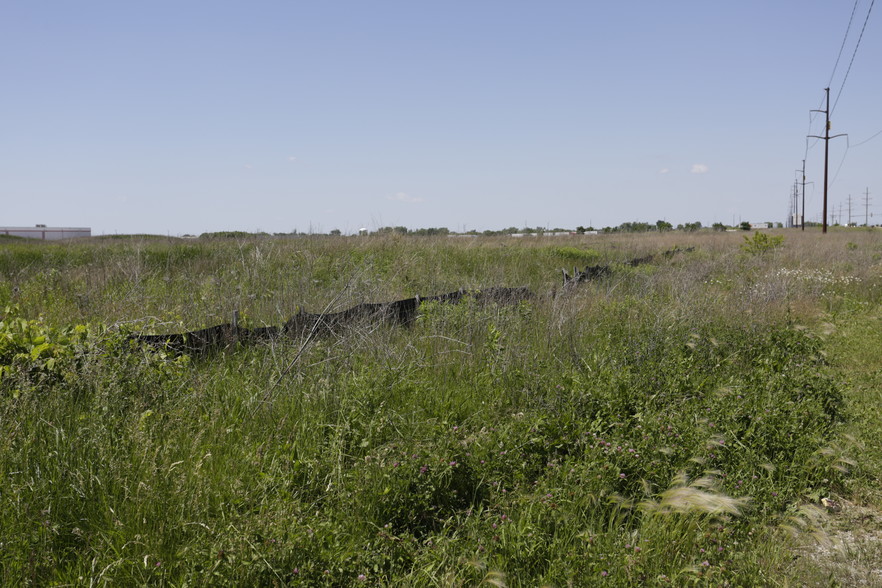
664	425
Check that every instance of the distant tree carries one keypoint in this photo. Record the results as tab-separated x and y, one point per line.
745	226
663	226
430	232
718	227
392	230
692	227
634	227
335	232
226	235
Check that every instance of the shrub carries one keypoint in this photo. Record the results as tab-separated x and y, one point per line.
761	243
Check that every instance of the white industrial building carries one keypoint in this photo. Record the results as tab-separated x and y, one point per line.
47	233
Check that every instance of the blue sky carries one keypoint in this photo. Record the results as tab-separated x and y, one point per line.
190	116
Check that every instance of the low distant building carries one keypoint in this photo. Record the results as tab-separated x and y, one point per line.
46	233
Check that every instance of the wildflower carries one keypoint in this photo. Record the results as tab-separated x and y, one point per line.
362	577
452	463
622	476
424	469
295	571
604	573
705	563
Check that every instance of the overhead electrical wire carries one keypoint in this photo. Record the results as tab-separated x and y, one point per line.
819	110
844	39
849	146
842	161
842	86
858	44
873	136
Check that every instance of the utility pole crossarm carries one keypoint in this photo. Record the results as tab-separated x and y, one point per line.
826	139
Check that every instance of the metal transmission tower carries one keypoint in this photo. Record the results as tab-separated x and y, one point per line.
826	139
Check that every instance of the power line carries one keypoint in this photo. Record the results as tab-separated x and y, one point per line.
841	162
849	146
812	115
861	36
844	39
867	140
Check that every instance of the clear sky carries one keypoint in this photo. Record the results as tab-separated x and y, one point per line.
177	117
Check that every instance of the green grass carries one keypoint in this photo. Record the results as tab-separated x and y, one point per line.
670	424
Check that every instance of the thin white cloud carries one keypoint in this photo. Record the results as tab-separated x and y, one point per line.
663	170
249	166
402	197
699	168
292	158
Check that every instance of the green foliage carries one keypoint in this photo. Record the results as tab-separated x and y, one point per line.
646	432
761	243
33	353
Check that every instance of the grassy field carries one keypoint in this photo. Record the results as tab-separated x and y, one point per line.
682	422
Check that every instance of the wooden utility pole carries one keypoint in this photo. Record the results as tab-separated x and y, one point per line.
867	208
826	139
802	183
